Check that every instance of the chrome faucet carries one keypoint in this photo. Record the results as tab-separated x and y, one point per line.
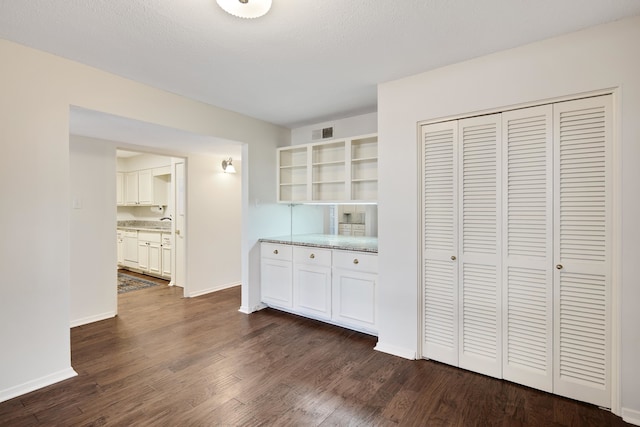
165	217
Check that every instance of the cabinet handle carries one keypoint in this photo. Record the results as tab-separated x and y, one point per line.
312	256
275	251
355	261
559	266
453	257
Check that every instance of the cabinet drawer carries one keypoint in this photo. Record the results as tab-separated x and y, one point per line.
131	234
149	236
276	251
358	261
312	256
357	227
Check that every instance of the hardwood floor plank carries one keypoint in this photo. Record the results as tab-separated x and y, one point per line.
169	360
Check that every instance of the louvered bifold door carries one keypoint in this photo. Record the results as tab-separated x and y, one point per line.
582	249
440	239
479	265
527	266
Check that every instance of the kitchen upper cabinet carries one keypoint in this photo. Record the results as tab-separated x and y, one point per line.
131	188
312	281
119	188
276	275
149	187
343	170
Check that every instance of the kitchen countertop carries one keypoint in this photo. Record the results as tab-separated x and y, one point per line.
138	225
328	241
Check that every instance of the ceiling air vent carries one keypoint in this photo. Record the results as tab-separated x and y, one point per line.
322	133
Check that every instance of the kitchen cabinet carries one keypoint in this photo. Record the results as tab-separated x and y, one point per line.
148	187
131	188
119	188
149	256
130	249
166	255
332	285
354	283
120	246
276	275
312	282
344	170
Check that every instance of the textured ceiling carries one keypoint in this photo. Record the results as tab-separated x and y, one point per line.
305	61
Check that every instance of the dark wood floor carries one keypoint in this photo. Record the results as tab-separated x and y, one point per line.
170	361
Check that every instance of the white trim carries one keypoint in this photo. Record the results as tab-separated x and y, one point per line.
616	251
406	353
214	289
631	416
36	384
247	310
94	318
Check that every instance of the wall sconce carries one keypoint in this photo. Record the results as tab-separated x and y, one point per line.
227	167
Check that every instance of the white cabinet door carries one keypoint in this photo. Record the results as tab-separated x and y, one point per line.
131	188
119	188
154	258
120	247
131	248
440	242
527	287
354	290
166	255
582	249
143	255
145	187
276	275
312	282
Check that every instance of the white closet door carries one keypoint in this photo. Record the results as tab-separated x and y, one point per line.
440	240
527	265
479	271
582	248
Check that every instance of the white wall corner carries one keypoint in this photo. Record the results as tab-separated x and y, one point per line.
406	353
631	416
91	319
36	384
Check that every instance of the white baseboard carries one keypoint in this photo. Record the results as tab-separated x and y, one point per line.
631	416
91	319
405	353
246	310
36	384
214	289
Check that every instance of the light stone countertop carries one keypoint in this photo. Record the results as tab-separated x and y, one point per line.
328	241
158	226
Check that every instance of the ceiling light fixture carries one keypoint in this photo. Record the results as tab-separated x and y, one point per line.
245	8
227	167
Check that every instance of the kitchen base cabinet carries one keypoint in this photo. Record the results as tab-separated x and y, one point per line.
335	286
130	249
276	275
166	255
149	252
120	246
312	282
354	290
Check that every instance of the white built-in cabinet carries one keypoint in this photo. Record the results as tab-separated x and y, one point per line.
149	252
148	187
130	249
276	275
343	170
516	232
331	285
165	248
312	281
120	247
354	286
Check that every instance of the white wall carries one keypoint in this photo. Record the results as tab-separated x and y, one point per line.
92	243
37	91
342	128
597	58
